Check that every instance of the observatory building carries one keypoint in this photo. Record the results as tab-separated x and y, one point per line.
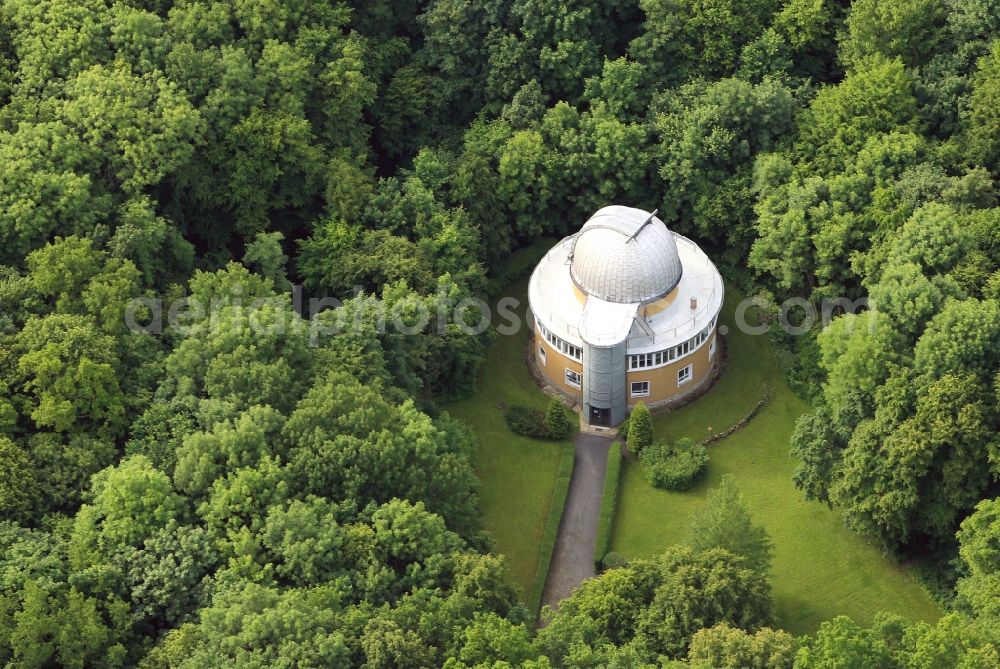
625	311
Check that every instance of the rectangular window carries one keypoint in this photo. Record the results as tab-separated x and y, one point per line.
711	349
646	360
640	388
573	378
541	354
684	375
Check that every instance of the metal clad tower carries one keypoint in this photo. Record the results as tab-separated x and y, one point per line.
604	384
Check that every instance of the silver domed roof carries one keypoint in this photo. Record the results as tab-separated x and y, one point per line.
618	259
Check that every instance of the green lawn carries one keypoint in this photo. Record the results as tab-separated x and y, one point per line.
517	475
820	568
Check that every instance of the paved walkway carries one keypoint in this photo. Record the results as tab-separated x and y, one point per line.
573	558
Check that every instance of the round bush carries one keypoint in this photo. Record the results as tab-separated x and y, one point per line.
612	560
674	467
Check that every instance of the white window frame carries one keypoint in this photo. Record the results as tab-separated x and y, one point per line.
711	349
639	361
542	355
564	347
641	393
687	372
573	384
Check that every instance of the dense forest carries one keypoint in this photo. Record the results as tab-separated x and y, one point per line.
231	495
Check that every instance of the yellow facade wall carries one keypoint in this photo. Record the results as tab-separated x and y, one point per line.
556	364
663	380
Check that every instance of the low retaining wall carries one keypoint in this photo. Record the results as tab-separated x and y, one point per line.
765	398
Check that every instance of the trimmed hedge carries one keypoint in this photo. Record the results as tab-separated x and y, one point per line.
556	507
609	501
674	467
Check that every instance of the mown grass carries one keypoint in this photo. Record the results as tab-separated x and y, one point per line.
820	568
518	476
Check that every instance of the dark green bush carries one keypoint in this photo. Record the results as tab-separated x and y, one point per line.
640	429
674	467
612	560
527	421
556	422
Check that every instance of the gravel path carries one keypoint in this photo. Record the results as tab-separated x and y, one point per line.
573	558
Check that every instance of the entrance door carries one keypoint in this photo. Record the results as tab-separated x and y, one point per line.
601	417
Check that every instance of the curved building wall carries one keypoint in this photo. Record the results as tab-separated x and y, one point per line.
605	382
664	383
554	365
593	349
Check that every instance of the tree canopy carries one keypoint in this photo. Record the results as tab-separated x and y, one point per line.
201	466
